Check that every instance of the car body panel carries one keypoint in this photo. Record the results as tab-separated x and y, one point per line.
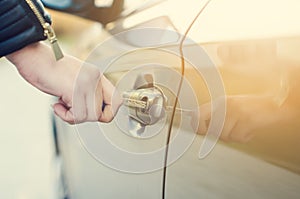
266	167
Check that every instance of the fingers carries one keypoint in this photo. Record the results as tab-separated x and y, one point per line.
91	92
64	113
111	98
83	102
107	114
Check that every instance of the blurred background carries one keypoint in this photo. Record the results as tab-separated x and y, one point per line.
26	139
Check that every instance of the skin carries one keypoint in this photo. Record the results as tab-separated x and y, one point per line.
80	87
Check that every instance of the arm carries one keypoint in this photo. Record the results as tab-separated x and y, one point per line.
80	87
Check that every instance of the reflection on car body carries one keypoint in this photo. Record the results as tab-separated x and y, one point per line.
266	167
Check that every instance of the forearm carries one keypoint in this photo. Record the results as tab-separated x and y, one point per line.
36	64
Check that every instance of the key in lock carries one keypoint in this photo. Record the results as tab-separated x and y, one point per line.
146	105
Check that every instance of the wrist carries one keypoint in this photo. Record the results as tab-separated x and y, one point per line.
32	61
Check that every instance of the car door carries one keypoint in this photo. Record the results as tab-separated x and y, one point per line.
225	54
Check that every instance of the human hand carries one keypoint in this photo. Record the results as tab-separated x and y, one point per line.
83	102
80	87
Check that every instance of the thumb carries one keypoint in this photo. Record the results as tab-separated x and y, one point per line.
64	113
